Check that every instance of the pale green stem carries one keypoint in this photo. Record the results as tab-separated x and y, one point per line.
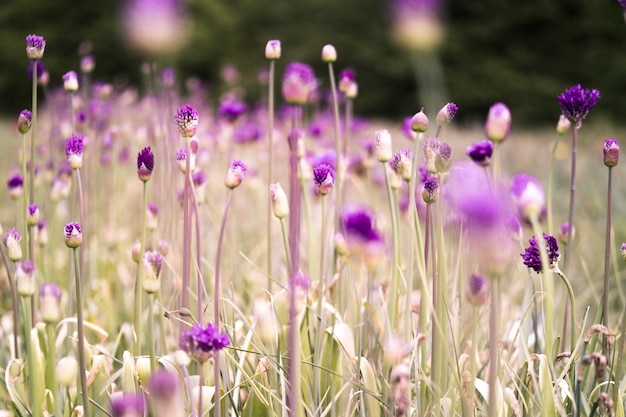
620	354
338	148
572	191
138	307
548	285
34	400
309	225
72	116
51	361
151	343
395	266
283	230
186	229
572	306
436	352
549	214
24	201
494	359
270	172
33	128
82	364
321	292
442	277
14	300
607	250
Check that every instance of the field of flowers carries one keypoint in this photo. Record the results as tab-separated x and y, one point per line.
175	255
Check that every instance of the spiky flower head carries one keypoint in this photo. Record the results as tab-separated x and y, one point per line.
73	235
299	83
383	145
231	109
11	239
200	342
498	124
419	122
481	152
32	215
70	81
145	164
532	256
186	119
430	191
323	178
50	302
563	125
280	203
329	53
272	49
576	102
611	152
528	195
74	151
181	158
401	163
24	121
446	114
35	46
25	278
235	175
127	405
476	292
151	264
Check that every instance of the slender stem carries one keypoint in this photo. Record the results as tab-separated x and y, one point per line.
442	277
24	201
270	172
33	129
321	292
82	364
138	307
494	361
395	268
14	300
548	284
151	344
51	361
35	401
199	282
186	229
338	148
284	233
72	116
549	216
572	191
572	306
607	250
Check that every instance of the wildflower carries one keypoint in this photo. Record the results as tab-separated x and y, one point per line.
24	121
431	149
576	102
430	191
87	64
35	46
50	302
476	292
127	405
165	393
235	175
417	25
480	152
443	157
446	114
563	233
198	178
135	251
419	122
200	342
181	158
272	49
280	204
347	81
145	164
324	178
361	236
611	152
163	247
528	195
329	53
401	163
32	215
231	109
152	263
73	235
532	257
498	124
11	239
563	125
25	278
383	145
155	26
70	81
299	83
187	120
74	151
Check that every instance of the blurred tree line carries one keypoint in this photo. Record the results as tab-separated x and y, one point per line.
521	53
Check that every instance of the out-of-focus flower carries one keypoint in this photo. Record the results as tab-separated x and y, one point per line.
446	114
299	83
25	278
73	235
11	239
74	151
32	215
15	184
70	81
611	152
498	124
280	203
35	46
576	102
529	196
329	53
384	152
417	24
347	81
41	233
187	120
127	405
181	159
165	393
476	290
361	236
623	251
272	49
24	121
145	164
231	109
431	150
87	64
481	152
532	256
235	175
563	233
443	157
323	178
563	125
200	342
66	371
50	302
513	225
152	262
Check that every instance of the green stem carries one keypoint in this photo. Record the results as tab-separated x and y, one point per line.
82	365
138	307
186	229
607	250
549	216
270	172
153	363
33	128
51	361
309	225
338	148
442	277
548	285
321	291
395	267
34	399
570	217
14	300
24	201
283	230
494	361
572	306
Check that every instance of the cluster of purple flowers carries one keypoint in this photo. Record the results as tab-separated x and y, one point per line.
532	255
200	342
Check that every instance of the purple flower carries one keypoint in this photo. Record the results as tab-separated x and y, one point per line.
187	120
431	190
127	405
361	236
480	152
198	178
401	163
74	151
11	234
200	342
611	152
324	178
24	121
476	292
564	233
235	175
528	194
73	235
70	81
498	124
272	49
299	83
35	46
11	239
532	256
577	101
246	133
446	114
15	183
347	83
163	385
145	164
231	110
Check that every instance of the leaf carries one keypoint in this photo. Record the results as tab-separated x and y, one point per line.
14	378
372	395
545	386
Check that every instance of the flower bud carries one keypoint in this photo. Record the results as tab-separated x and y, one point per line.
419	122
280	203
87	64
528	195
163	247
402	164
32	215
299	83
235	175
272	49
498	124
181	158
329	53
324	178
145	164
41	233
70	82
611	152
383	145
135	251
50	302
563	125
74	151
152	211
11	239
430	191
35	46
66	371
431	149
446	114
187	120
563	233
73	235
25	278
152	262
443	157
476	290
24	121
15	184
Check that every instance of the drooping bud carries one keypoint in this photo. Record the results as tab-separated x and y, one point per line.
611	152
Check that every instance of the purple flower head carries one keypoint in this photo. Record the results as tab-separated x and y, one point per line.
272	49
198	178
32	214
476	289
431	189
347	83
145	164
361	236
611	152
247	133
446	114
74	151
401	163
532	256
200	342
235	175
187	120
231	109
299	83
73	235
35	46
127	405
163	385
324	178
443	157
480	152
528	195
153	208
11	239
15	181
70	81
24	121
576	102
168	77
49	289
11	235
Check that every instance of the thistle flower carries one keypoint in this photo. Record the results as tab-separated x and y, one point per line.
73	235
419	122
74	151
324	178
11	239
480	152
35	46
235	175
50	302
611	152
231	109
145	164
32	215
200	342
383	145
151	264
576	102
15	184
24	121
476	290
181	158
401	163
280	203
272	49
70	81
563	125
430	191
127	405
498	124
446	114
531	255
186	119
528	195
329	53
299	83
25	278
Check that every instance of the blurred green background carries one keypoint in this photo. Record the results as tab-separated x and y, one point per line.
522	53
